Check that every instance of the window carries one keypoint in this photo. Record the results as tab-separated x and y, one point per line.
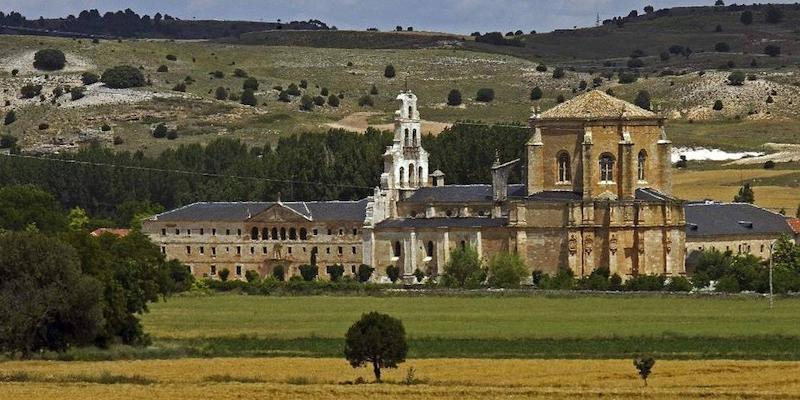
238	250
213	270
353	269
238	232
274	234
315	232
264	233
213	251
177	231
341	231
355	231
429	249
252	250
411	174
292	234
463	244
421	176
606	168
227	231
238	270
163	249
264	250
214	231
327	250
402	175
413	139
202	250
405	137
303	234
283	233
397	249
163	232
289	249
340	250
202	231
564	170
642	164
254	234
354	249
762	248
188	249
329	232
189	232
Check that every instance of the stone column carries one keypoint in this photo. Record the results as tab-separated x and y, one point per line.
627	168
479	244
665	164
411	263
535	167
588	163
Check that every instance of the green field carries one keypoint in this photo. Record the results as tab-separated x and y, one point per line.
527	326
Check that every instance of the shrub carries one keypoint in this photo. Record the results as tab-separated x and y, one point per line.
323	91
664	56
541	68
248	98
418	275
303	83
30	91
774	15
44	126
89	78
293	90
389	71
10	117
180	87
7	141
769	164
250	84
49	60
240	73
717	105
393	273
123	76
728	284
160	131
485	95
644	365
770	100
464	268
376	339
306	103
678	284
366	101
309	272
57	92
628	77
251	275
506	270
644	283
217	74
772	50
454	98
722	47
162	68
171	57
333	101
221	93
558	73
14	72
635	63
319	101
746	17
643	99
105	127
279	273
335	272
562	280
745	195
223	275
536	93
560	99
598	279
118	140
364	272
284	96
233	96
172	134
736	78
77	92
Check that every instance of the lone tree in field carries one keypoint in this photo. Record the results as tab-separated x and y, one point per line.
49	60
376	339
644	365
643	99
389	71
454	98
746	195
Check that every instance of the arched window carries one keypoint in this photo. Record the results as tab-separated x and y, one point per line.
642	164
411	174
303	234
402	179
254	233
564	169
265	234
397	249
283	233
274	233
429	249
292	234
607	168
421	176
414	137
410	112
405	138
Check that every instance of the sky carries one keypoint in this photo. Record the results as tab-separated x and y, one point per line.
456	16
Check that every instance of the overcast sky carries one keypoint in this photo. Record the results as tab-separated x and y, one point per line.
457	16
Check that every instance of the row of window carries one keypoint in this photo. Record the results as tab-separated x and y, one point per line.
238	270
743	248
264	250
265	233
430	247
419	177
606	167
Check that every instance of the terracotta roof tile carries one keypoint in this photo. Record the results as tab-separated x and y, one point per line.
596	105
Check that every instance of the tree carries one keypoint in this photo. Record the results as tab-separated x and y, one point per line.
463	268
389	71
223	275
46	303
77	92
506	270
30	91
560	99
643	99
664	56
240	73
536	93
306	103
250	84
278	272
26	206
162	68
123	76
558	73
772	50
393	273
333	101
179	87
309	272
323	91
745	195
719	3
221	93
248	98
303	83
49	60
364	272
628	77
648	9
774	15
541	68
89	78
376	339
293	90
160	131
722	47
644	365
319	101
366	101
485	95
635	63
736	78
373	90
283	96
717	105
10	117
454	98
335	272
746	17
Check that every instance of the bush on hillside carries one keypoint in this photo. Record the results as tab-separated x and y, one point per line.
49	60
454	98
162	68
366	101
303	83
626	77
635	63
77	92
180	87
389	71
485	95
171	57
746	17
309	272
323	92
306	103
250	84
774	15
717	105
772	50
248	98
541	68
10	117
333	101
160	131
722	47
123	76
293	90
558	73
221	93
89	78
643	99
239	73
736	78
30	91
319	101
536	93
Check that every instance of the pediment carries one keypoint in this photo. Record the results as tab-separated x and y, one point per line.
279	213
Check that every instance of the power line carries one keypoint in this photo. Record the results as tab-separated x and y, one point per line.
183	172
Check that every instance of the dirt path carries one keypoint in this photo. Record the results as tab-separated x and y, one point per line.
358	122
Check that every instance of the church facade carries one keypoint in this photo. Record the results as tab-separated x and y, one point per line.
595	193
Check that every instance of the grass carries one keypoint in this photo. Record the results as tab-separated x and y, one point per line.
291	378
774	189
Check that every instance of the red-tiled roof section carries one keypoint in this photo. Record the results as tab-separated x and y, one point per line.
795	224
121	232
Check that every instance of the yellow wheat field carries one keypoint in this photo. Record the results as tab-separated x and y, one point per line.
307	378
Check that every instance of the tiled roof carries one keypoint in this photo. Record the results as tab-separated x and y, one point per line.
461	193
241	211
794	223
649	194
596	105
120	232
467	222
712	219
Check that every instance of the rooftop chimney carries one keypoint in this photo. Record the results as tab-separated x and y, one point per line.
437	177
